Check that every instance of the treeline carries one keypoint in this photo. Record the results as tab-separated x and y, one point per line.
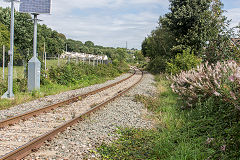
193	44
196	28
55	42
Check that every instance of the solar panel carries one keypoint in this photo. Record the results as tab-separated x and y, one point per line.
35	6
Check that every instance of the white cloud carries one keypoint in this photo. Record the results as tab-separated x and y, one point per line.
107	28
164	3
234	15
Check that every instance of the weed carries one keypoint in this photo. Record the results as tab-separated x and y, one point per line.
209	131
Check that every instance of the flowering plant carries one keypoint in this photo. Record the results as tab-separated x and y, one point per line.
220	80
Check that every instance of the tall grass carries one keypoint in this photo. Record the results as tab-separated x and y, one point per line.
204	132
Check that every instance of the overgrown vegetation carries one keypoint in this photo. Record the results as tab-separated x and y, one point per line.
58	79
198	116
208	131
196	25
221	80
182	62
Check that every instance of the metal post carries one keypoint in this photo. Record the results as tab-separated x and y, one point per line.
45	60
35	36
25	68
58	60
9	93
43	51
3	61
34	65
45	57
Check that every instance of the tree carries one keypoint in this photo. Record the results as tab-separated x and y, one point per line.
89	44
195	22
159	43
4	40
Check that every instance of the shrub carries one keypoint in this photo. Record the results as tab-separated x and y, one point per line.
73	73
221	80
157	65
183	61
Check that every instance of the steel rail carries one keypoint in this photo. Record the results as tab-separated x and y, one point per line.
16	119
33	145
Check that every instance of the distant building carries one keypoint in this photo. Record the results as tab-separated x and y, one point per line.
85	57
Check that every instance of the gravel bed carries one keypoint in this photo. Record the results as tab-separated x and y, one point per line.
33	127
45	101
79	141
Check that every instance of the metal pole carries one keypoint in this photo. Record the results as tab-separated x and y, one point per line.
9	93
58	60
43	51
45	61
35	37
45	57
3	61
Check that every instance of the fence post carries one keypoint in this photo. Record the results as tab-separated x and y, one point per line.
45	60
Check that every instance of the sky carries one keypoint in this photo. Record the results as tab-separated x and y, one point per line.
112	23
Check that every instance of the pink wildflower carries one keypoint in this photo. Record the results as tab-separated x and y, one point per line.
233	95
216	93
231	78
209	140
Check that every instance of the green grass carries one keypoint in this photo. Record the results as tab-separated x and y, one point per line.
178	134
18	72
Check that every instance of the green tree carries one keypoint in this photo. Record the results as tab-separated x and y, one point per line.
89	44
4	40
195	22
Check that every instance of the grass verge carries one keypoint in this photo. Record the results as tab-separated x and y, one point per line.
209	131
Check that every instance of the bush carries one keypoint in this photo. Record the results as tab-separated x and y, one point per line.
73	73
221	80
157	65
182	61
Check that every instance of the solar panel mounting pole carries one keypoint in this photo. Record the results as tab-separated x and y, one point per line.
34	65
9	93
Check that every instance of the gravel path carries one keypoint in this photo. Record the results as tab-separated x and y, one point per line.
45	101
77	142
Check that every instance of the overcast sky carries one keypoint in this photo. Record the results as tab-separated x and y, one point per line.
113	22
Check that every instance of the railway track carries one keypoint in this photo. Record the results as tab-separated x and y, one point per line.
22	134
